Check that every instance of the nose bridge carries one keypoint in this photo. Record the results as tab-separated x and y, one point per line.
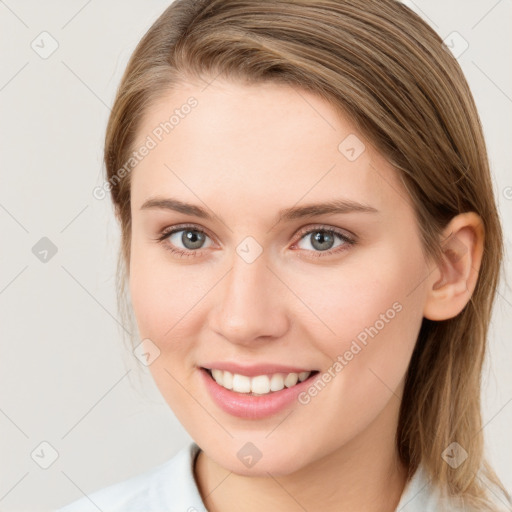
249	307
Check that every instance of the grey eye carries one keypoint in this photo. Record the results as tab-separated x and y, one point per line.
191	239
321	240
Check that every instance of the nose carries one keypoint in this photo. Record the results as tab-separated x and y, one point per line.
251	307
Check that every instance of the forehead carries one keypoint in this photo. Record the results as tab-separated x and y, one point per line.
270	144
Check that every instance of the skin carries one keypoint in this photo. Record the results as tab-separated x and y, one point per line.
245	152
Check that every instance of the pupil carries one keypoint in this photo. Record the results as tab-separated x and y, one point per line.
192	239
320	239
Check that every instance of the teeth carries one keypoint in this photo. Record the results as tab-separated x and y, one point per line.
260	384
241	383
227	380
304	376
291	379
277	382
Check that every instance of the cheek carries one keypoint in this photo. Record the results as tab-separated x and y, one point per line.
370	313
163	302
162	294
168	303
370	291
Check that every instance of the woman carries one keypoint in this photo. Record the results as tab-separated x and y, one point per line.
312	249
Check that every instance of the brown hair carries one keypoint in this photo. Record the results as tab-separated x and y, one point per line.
381	65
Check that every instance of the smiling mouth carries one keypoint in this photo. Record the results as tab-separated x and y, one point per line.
259	384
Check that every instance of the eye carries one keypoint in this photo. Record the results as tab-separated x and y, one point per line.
322	239
184	240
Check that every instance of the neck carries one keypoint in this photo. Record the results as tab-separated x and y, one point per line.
365	474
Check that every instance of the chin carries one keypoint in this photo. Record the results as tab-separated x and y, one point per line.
258	458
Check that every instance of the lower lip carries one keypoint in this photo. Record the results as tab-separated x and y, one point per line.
248	406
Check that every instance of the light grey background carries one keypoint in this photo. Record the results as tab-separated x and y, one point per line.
65	377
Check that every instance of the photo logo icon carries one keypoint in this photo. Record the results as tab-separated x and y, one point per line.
351	147
454	455
249	454
456	44
146	352
249	249
44	250
44	455
44	45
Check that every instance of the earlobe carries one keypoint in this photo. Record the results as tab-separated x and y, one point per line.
452	282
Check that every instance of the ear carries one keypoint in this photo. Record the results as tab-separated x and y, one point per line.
452	282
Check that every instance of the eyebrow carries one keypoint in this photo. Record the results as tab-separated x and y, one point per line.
286	215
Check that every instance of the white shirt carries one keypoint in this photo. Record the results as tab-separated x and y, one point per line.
170	487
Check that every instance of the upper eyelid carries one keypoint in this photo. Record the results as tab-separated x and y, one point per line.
326	227
173	229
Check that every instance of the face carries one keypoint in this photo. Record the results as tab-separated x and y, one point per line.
309	314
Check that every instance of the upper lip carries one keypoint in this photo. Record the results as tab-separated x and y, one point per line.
255	369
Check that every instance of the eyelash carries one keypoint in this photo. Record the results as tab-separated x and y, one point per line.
182	253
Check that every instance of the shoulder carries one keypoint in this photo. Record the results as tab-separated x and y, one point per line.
421	495
169	486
